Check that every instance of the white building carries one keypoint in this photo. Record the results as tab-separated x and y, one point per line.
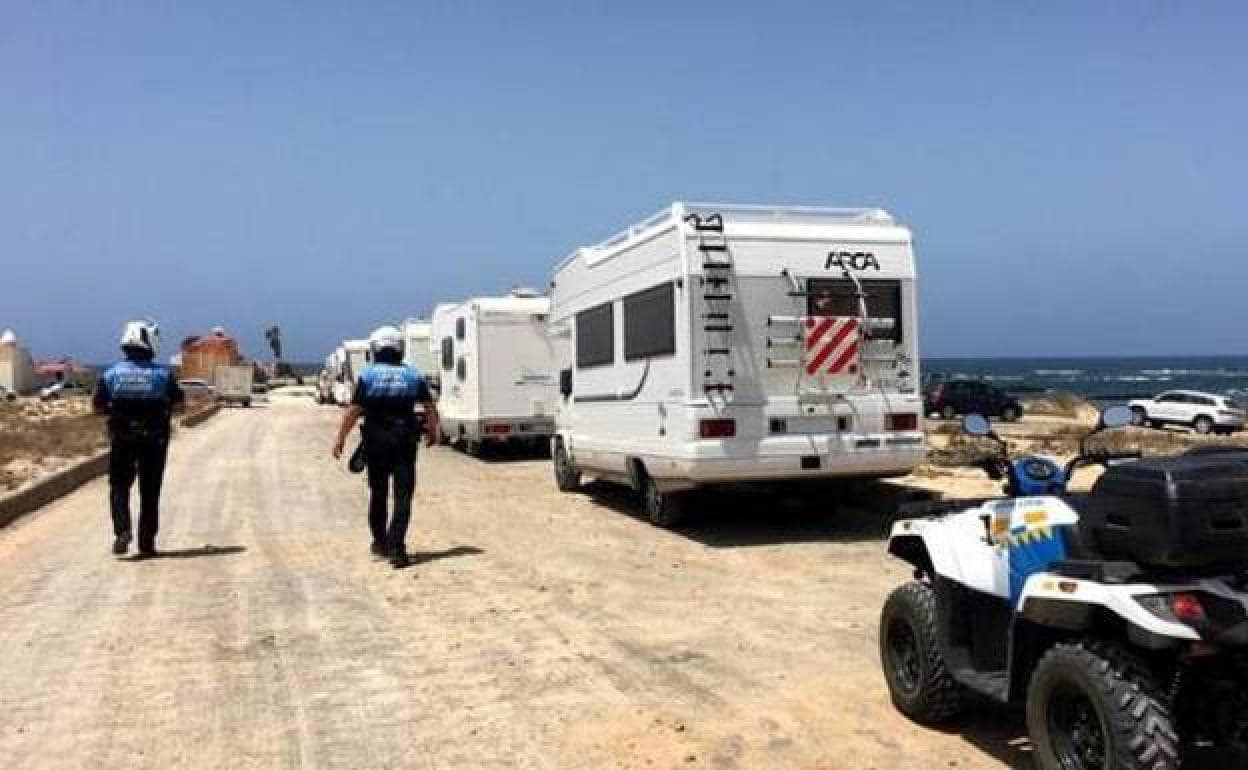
17	368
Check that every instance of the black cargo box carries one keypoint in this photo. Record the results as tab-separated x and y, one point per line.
1185	512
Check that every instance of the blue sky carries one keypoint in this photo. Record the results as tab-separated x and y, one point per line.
1074	172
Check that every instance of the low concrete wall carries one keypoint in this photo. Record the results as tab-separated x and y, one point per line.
195	418
51	488
61	483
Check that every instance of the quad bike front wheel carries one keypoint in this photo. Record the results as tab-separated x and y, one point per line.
919	683
1095	706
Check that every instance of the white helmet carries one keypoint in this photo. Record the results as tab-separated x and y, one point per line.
386	338
143	335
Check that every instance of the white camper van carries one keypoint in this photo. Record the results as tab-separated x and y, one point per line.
356	355
418	350
497	366
725	343
327	381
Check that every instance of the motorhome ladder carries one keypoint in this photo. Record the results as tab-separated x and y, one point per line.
718	292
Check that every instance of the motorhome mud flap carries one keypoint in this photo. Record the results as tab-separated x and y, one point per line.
811	462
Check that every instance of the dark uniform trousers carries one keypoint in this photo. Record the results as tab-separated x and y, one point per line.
144	458
390	456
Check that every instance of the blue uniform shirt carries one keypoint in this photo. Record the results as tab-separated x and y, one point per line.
138	390
390	390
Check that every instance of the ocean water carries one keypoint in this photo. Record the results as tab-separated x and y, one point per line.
1099	379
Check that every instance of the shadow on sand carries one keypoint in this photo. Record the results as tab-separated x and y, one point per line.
417	558
507	452
1001	733
998	731
187	553
756	514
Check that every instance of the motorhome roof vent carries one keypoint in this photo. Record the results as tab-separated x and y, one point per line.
522	292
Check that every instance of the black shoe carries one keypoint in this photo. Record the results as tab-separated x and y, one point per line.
379	549
147	550
121	543
399	558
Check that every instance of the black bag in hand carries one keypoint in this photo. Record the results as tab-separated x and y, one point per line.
359	460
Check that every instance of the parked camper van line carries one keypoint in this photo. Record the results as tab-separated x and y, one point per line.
707	344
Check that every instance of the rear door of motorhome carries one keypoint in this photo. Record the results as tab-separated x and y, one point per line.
517	365
459	340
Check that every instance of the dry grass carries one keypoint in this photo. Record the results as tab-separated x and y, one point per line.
1063	441
961	449
31	435
1060	404
945	428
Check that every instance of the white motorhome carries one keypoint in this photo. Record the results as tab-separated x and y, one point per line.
356	355
726	343
418	349
330	376
497	366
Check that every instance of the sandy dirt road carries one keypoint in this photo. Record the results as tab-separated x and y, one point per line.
538	630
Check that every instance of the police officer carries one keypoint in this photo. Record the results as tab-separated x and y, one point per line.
139	396
386	394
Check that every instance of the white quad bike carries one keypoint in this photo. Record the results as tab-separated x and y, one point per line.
1118	617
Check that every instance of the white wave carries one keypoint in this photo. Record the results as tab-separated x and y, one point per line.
1197	372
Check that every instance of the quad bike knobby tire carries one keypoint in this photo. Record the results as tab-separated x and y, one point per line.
1094	706
918	680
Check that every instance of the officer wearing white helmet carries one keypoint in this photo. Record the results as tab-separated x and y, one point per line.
139	396
386	395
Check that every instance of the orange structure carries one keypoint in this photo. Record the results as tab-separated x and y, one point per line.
202	355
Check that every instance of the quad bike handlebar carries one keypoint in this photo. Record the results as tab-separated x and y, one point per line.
1100	457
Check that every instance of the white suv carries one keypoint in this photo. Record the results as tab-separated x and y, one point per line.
1203	412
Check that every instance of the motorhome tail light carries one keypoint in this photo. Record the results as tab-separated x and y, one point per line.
498	429
720	427
908	421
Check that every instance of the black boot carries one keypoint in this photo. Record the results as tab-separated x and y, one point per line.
379	549
398	556
121	543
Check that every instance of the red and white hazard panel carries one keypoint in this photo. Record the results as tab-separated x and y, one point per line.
831	345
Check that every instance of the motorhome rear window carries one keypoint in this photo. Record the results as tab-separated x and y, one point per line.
832	296
595	336
650	323
448	353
